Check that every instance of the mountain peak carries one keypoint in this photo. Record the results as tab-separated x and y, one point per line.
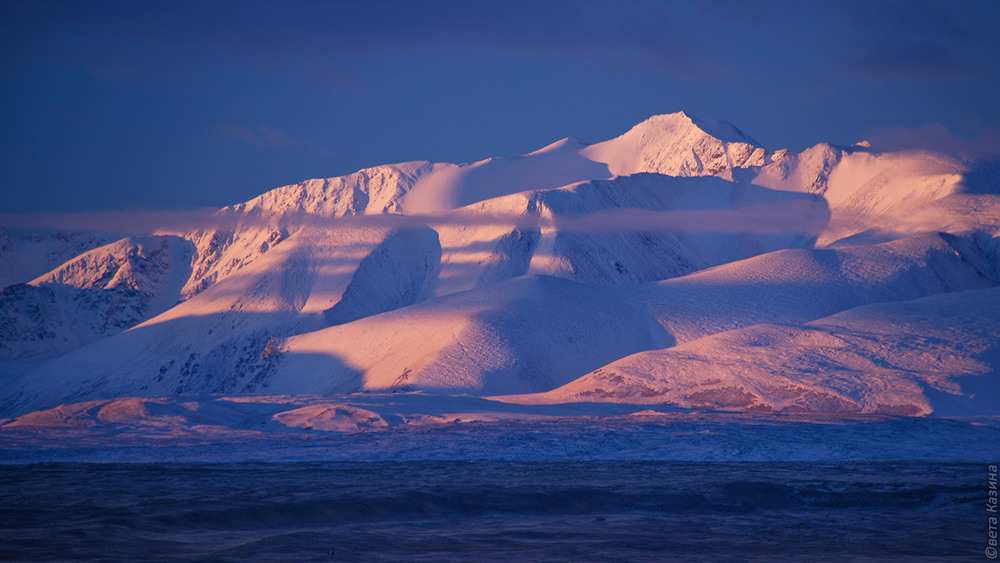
722	130
677	144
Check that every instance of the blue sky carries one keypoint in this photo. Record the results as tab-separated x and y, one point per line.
152	105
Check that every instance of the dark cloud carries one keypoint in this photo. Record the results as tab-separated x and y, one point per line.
921	39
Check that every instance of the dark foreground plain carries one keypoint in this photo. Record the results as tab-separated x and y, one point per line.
494	510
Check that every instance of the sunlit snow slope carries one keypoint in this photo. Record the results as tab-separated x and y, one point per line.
938	354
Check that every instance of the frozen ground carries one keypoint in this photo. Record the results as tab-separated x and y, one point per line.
417	426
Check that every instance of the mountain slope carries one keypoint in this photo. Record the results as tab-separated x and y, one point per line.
221	339
532	332
939	354
631	229
876	197
525	335
458	185
799	285
95	295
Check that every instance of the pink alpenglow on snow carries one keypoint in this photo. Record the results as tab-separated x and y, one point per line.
680	265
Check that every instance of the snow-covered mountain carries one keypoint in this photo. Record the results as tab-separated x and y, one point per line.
96	294
937	354
680	263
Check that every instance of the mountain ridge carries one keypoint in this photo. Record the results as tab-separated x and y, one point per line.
670	234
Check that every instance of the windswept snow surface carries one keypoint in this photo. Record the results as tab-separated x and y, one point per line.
938	354
533	332
678	264
874	197
799	285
